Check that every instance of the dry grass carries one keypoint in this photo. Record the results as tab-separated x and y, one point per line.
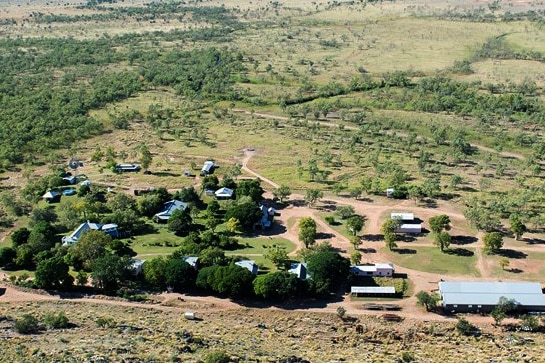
144	333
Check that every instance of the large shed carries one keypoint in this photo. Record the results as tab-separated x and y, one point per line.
388	291
482	296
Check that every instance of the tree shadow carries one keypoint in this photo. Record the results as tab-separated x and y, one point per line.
372	237
459	252
165	173
429	203
368	250
509	253
463	240
404	251
406	238
323	235
515	270
533	241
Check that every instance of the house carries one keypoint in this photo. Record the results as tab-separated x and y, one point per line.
384	291
71	179
110	229
483	296
193	261
408	225
137	267
373	270
402	216
299	269
169	208
52	197
268	216
208	168
249	265
121	168
409	228
224	193
74	237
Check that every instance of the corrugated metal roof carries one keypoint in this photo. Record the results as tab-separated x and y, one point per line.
373	290
402	216
489	293
490	287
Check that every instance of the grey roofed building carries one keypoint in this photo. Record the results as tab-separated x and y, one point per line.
372	290
168	209
224	193
481	296
299	269
249	265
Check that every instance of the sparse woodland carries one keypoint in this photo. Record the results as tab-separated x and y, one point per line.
329	104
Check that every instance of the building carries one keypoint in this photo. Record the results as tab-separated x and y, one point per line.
74	237
267	218
413	228
402	216
224	193
192	260
137	267
408	223
481	296
164	215
52	197
121	168
249	265
208	168
379	291
299	269
374	270
110	229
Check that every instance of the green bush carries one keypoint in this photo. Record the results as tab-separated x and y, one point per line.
466	328
217	357
56	321
330	220
27	324
105	322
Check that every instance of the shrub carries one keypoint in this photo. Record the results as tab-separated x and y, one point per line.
27	324
58	321
466	328
217	357
330	220
105	322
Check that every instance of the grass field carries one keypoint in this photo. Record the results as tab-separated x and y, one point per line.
431	259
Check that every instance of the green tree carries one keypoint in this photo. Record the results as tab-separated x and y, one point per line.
212	256
7	256
211	221
439	223
233	225
328	271
278	256
109	271
179	274
251	188
247	213
154	272
91	245
20	237
345	211
517	227
355	224
277	286
282	192
465	327
427	300
145	157
388	229
121	202
312	196
307	231
503	308
180	222
431	187
442	239
493	242
54	274
355	257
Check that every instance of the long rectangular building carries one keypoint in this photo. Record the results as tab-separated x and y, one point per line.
481	296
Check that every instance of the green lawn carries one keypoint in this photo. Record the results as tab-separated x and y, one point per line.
339	226
257	246
161	243
431	259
